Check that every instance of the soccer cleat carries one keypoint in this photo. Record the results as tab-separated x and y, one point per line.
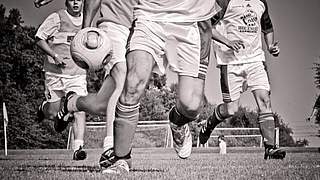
182	140
40	114
121	166
274	153
63	117
207	128
79	154
111	164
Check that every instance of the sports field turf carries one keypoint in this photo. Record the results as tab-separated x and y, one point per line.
158	163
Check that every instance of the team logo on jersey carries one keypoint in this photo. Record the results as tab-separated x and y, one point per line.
250	19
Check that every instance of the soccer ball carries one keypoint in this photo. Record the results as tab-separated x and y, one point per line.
92	55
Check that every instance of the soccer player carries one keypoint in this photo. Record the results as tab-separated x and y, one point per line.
166	33
222	145
315	109
62	75
240	57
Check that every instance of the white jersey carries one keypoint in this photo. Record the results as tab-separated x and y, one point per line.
243	20
175	10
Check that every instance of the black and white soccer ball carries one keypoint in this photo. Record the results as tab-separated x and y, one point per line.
88	56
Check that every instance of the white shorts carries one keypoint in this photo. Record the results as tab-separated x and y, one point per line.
57	86
119	35
176	45
237	78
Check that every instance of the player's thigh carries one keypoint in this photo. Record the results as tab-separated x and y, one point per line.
231	82
119	36
139	68
190	92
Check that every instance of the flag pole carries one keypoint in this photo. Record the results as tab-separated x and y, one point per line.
5	123
5	140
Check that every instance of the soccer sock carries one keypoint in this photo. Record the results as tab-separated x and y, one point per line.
72	103
127	117
77	143
179	119
266	121
107	143
217	117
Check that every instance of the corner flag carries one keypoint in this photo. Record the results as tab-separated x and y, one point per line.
5	115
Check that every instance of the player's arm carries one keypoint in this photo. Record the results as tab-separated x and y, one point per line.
89	11
46	48
234	45
267	30
45	31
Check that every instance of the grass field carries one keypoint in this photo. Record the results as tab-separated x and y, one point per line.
160	163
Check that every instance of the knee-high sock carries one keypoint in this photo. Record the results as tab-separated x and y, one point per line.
266	121
177	118
125	124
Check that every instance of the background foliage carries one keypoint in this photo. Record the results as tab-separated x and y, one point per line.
22	87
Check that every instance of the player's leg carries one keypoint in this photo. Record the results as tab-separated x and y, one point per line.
140	64
117	69
118	73
187	109
191	65
49	108
78	85
259	83
231	82
79	126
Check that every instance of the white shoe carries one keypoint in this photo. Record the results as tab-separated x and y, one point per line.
182	140
119	167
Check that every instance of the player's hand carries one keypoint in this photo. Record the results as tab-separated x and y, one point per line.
92	40
236	45
274	49
59	61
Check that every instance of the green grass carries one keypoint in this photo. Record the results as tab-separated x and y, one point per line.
158	163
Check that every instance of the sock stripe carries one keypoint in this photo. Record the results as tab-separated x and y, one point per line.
127	108
125	111
265	117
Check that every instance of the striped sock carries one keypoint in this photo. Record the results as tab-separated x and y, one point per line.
266	121
125	124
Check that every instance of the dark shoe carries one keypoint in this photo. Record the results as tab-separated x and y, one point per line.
79	154
63	117
111	164
40	115
274	153
207	128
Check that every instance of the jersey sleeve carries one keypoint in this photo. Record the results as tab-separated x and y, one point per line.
49	26
266	24
223	4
